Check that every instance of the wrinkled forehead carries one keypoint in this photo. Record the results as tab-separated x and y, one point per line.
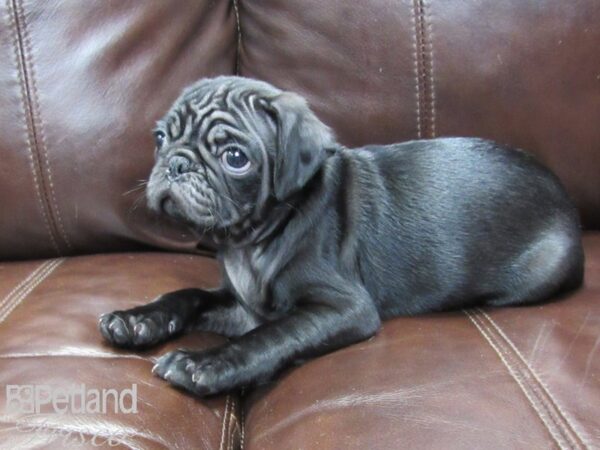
215	106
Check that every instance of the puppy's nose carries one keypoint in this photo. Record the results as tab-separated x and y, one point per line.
178	165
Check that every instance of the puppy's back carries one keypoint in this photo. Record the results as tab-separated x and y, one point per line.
447	219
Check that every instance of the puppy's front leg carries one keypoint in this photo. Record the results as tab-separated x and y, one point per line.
163	318
327	317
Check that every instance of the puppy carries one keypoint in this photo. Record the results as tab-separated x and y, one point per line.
318	243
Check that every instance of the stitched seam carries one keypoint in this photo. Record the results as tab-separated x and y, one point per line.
25	65
225	418
417	69
514	374
242	425
28	119
22	283
9	301
37	117
431	71
239	37
549	398
533	389
228	429
424	71
231	425
232	432
548	422
424	65
542	395
9	307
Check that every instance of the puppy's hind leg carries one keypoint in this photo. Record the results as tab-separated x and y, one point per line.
161	319
551	265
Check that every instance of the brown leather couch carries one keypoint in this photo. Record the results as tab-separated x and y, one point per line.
81	84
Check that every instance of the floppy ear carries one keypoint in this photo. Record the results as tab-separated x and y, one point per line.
302	141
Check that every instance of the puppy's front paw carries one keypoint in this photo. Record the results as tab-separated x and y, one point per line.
139	327
202	373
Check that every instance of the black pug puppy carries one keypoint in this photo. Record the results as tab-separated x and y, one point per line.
318	243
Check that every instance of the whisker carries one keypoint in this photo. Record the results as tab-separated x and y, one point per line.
131	191
136	203
141	184
236	204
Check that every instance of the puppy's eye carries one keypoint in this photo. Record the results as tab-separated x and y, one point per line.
159	138
234	160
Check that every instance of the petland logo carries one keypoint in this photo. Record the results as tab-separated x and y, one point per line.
78	399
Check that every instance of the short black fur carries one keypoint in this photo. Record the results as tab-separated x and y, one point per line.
320	243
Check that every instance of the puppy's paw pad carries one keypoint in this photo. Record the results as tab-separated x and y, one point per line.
147	331
168	361
139	327
201	373
115	328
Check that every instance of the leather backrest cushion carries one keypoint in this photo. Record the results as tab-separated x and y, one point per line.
82	84
522	72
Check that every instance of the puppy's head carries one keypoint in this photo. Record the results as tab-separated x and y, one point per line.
230	146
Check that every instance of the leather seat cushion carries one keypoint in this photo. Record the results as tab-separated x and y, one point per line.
513	377
508	378
48	336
